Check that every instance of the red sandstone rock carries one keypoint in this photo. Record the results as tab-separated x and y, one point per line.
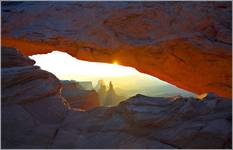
187	44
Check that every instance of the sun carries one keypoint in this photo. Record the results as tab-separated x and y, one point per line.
115	63
79	68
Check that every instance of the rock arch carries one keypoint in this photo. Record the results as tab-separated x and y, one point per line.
187	44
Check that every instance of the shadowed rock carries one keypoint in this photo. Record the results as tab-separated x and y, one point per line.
151	121
34	115
32	108
12	58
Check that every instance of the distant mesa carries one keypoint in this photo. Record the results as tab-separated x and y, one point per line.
85	85
80	95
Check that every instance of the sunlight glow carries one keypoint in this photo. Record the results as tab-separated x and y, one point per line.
66	67
128	79
115	63
64	63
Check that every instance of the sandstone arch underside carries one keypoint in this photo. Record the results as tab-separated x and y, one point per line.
187	44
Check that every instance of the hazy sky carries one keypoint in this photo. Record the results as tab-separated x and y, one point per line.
127	81
67	67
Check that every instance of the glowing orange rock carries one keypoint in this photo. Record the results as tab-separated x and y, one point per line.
186	44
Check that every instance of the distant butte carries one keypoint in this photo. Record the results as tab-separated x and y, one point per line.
186	44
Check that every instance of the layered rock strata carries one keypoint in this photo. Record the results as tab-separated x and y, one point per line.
151	122
187	44
32	108
34	115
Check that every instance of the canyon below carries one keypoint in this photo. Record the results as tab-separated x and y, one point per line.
187	44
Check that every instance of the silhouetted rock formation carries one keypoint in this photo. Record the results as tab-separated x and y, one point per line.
112	98
188	44
77	95
101	90
107	97
34	115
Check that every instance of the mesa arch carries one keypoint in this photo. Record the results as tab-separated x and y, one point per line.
186	44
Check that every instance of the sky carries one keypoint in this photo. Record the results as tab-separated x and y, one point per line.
66	67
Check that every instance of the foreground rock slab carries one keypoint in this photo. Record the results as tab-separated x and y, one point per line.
32	108
35	115
150	122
